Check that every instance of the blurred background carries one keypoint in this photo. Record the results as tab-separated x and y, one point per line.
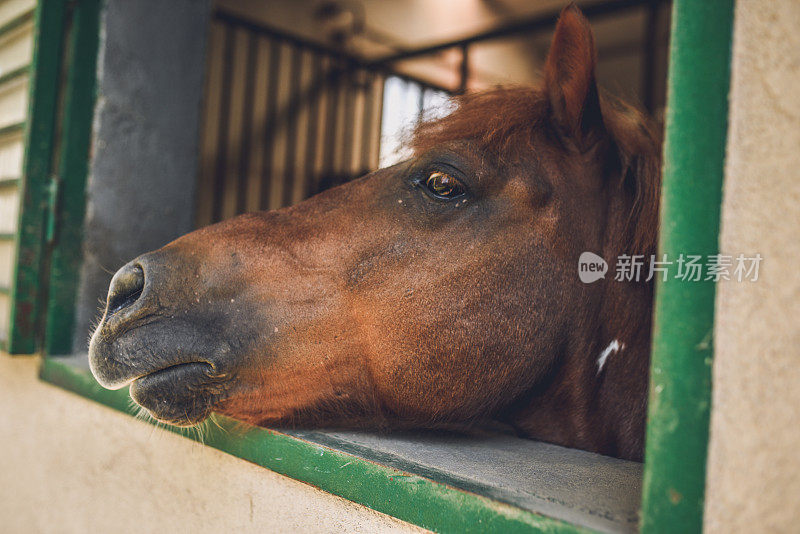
302	95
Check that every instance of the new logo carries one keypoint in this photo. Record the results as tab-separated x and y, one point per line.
591	267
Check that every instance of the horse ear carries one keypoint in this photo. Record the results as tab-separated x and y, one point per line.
570	81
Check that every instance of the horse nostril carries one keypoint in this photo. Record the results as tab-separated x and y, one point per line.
126	288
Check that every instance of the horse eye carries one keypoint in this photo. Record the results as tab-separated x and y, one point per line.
444	186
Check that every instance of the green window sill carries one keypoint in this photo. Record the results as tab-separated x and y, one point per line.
556	490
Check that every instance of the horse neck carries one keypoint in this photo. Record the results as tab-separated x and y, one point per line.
595	399
619	357
600	390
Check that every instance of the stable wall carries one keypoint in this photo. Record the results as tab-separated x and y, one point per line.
143	164
70	465
754	462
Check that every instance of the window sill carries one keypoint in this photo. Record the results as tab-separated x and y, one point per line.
445	483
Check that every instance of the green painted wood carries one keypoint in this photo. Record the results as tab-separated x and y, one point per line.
8	237
12	75
404	495
16	22
694	154
66	232
26	296
5	290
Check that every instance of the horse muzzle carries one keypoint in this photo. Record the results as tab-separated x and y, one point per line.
176	361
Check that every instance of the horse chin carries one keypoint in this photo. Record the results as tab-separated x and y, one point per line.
179	395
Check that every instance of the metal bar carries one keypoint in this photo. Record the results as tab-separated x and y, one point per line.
290	165
348	130
420	104
247	124
5	291
464	70
221	166
270	126
12	75
17	127
44	88
376	154
9	182
312	134
73	168
354	61
8	237
680	375
367	126
17	21
279	35
331	103
530	25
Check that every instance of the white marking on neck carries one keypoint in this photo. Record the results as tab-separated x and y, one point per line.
612	348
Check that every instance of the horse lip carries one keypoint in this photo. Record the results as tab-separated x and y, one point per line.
113	372
156	393
176	368
124	375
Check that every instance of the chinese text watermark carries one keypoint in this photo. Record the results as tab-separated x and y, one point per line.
686	267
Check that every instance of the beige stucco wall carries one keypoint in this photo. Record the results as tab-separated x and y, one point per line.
69	465
754	458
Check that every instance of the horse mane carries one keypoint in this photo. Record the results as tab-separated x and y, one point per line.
503	122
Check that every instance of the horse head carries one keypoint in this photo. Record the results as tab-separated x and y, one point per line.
441	291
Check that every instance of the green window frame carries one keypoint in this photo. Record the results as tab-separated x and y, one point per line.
19	332
679	408
680	391
52	198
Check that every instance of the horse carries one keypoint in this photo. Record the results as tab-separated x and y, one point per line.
441	292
